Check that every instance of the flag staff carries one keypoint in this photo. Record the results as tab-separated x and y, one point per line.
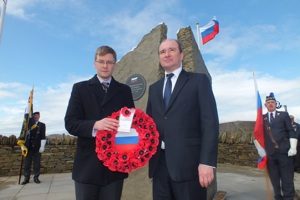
2	14
258	131
24	131
198	34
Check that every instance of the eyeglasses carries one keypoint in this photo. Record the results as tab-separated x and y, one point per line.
103	62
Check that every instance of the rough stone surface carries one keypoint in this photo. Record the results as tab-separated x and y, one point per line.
192	60
143	60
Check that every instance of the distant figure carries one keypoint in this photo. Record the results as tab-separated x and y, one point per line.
296	127
35	143
280	146
183	106
91	102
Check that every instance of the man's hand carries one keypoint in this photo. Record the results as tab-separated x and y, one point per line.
42	148
107	124
206	175
293	149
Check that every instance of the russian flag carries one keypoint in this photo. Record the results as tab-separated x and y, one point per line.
127	138
209	31
258	132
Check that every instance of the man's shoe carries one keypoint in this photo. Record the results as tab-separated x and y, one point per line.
25	182
36	180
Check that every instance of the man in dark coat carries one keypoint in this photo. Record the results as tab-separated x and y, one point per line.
35	143
90	104
183	106
280	146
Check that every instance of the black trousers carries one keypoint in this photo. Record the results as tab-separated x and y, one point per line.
281	172
112	191
35	158
164	188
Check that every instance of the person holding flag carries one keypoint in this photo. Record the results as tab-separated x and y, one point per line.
35	142
280	145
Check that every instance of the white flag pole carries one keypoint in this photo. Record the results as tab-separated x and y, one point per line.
198	35
2	14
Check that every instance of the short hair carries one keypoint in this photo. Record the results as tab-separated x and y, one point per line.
103	50
178	43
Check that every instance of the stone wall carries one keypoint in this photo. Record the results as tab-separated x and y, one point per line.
235	147
236	144
57	158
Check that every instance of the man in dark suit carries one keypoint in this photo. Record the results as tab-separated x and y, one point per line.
90	103
280	145
183	107
35	142
296	127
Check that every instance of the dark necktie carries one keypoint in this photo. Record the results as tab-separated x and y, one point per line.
168	89
271	117
105	86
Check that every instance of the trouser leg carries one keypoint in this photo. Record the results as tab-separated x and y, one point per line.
287	177
274	174
36	164
27	165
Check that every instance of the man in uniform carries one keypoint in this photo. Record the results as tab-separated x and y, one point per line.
296	127
35	143
280	145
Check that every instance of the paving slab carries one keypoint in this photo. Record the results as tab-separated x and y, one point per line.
235	182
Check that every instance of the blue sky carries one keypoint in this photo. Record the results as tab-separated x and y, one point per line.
50	44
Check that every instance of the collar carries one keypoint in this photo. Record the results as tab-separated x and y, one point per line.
176	72
104	80
274	113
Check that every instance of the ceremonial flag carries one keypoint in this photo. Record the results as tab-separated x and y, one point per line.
258	132
27	116
209	31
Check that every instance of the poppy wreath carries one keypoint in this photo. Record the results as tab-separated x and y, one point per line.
126	158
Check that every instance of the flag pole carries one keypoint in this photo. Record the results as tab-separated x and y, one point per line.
265	170
24	131
2	14
21	167
198	34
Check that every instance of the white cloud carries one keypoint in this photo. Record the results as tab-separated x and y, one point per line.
235	93
18	8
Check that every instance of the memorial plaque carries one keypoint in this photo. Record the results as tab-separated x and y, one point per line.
137	83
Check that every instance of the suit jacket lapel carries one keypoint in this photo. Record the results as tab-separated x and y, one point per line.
159	94
181	81
96	89
112	90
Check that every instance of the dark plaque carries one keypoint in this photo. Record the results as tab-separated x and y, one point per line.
137	83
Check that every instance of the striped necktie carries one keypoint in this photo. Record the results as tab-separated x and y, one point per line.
105	86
